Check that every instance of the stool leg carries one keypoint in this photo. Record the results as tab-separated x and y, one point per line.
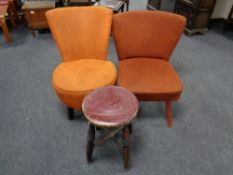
125	139
90	143
130	128
70	113
97	128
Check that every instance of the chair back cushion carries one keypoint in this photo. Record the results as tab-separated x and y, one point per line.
81	32
151	34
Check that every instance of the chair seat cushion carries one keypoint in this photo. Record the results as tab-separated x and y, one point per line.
150	79
73	80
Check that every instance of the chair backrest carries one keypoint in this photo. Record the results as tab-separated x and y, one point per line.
81	32
151	34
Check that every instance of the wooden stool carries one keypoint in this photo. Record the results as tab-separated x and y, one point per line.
110	107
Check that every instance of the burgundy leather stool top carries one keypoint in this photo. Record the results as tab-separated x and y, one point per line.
110	106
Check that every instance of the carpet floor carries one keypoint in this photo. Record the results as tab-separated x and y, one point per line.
36	138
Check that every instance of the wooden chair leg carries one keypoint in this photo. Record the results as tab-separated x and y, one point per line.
126	146
90	143
168	113
5	31
70	112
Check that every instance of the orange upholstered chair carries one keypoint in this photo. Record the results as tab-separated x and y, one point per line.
82	36
145	41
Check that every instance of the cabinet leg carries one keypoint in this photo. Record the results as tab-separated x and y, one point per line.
34	33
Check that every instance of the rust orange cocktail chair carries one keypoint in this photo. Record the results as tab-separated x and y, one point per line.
145	41
82	36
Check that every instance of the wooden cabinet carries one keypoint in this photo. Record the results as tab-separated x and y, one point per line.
163	5
36	18
153	4
229	20
197	13
35	13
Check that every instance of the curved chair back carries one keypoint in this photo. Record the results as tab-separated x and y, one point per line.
81	32
152	34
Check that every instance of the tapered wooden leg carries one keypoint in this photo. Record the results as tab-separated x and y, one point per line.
90	143
168	113
5	31
126	146
70	113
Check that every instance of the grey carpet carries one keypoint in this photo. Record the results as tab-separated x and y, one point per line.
36	137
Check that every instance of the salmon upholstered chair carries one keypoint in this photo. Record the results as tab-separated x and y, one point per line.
145	41
82	36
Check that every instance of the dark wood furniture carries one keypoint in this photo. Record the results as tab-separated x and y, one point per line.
12	13
3	11
230	16
229	20
197	13
153	4
118	7
78	2
110	107
127	4
35	14
115	5
15	10
164	5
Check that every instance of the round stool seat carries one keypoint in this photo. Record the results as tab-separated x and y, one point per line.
110	106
